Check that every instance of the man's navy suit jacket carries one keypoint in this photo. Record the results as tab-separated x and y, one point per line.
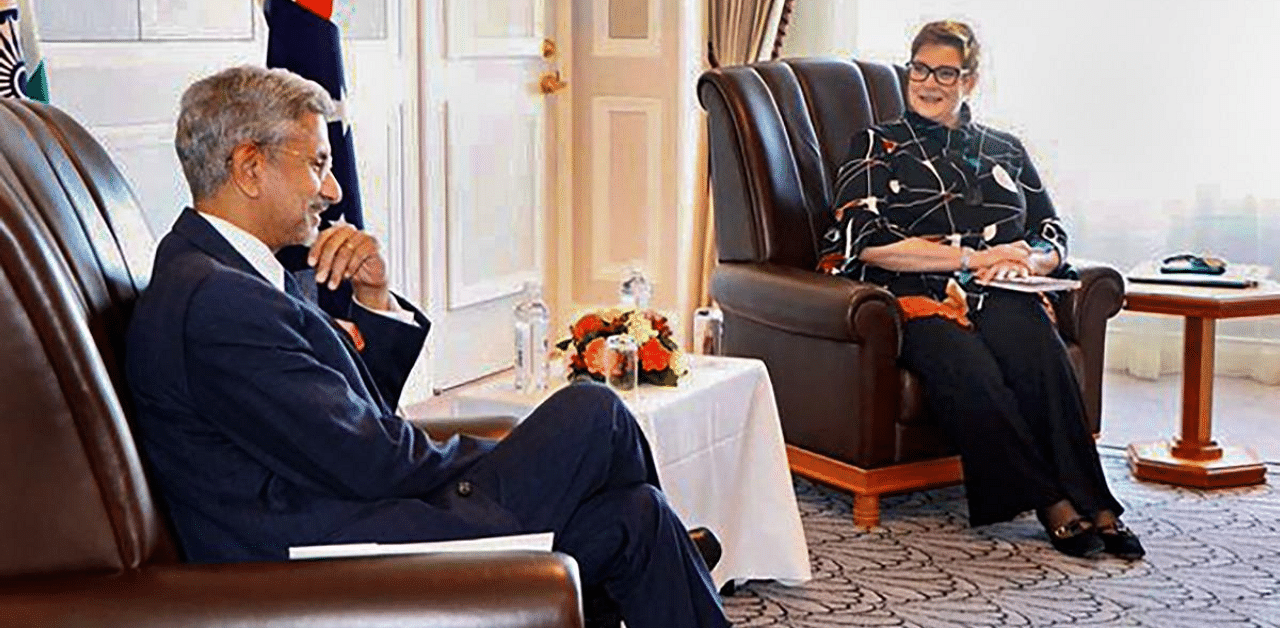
265	430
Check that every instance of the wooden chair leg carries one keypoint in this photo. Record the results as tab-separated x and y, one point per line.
867	485
866	510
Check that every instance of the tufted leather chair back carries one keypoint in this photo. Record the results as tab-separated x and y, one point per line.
75	253
801	114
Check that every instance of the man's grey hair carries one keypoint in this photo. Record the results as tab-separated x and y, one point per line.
244	104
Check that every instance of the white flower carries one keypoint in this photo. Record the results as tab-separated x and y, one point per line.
639	327
679	364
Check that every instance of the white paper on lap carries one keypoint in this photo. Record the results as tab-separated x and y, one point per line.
540	541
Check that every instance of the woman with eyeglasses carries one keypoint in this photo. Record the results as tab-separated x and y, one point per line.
933	207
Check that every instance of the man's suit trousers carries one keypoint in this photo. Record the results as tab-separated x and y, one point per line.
580	466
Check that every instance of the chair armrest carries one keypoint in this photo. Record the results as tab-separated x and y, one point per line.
831	346
502	589
1085	311
806	302
442	428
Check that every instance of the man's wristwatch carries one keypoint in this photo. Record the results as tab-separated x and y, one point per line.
966	254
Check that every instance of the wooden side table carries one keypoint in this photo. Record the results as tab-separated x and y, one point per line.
1194	458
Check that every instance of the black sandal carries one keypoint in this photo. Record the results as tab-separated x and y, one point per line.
1121	542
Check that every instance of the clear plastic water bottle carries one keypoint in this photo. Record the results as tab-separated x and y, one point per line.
635	290
532	318
708	330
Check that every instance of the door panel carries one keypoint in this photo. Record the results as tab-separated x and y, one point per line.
494	188
495	28
624	226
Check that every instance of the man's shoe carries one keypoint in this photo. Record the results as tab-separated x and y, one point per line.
708	546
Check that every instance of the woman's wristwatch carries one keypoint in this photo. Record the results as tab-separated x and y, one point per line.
966	254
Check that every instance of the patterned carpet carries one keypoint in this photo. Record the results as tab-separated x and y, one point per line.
1213	559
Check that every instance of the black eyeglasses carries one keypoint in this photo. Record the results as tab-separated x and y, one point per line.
944	74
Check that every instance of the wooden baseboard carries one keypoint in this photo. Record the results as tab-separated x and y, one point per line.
867	485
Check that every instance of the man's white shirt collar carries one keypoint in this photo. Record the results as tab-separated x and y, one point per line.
251	249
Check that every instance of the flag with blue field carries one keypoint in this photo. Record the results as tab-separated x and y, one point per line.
304	40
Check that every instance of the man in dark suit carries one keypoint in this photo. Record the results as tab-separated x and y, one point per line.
268	425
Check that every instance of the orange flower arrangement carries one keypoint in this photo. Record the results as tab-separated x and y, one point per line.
661	362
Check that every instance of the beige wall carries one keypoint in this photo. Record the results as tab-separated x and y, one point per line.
820	27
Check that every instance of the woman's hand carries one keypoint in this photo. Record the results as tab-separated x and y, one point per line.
1004	269
1003	261
1038	261
1019	252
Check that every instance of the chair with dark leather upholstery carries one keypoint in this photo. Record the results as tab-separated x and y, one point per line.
851	417
82	540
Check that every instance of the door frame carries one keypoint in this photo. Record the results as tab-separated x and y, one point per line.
560	227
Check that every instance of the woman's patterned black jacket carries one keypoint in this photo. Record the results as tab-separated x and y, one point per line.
969	186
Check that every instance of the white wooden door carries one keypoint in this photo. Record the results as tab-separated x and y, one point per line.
488	168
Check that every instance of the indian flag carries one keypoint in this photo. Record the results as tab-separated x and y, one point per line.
22	71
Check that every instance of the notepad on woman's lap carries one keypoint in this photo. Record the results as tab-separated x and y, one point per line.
1034	283
539	541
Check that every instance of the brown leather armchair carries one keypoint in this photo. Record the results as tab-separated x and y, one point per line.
82	540
851	417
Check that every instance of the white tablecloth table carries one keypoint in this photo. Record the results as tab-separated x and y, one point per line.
720	455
